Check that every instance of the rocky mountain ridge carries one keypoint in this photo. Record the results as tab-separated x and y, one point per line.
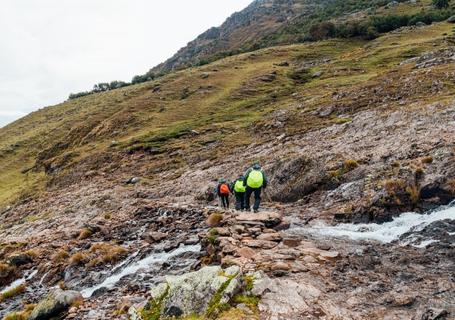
263	23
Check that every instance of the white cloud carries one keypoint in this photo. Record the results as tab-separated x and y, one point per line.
49	48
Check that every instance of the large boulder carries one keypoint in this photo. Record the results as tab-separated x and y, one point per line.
200	292
451	19
57	302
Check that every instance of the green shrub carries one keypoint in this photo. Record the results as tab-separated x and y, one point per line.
440	4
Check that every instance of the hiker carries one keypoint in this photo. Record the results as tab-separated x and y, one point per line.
239	189
223	192
254	181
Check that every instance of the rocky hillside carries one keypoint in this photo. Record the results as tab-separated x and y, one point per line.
262	24
110	196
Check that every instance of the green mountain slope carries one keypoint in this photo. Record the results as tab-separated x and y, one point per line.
206	114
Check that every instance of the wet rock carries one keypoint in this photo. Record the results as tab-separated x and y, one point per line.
133	180
155	236
192	240
195	292
269	219
283	225
19	259
54	304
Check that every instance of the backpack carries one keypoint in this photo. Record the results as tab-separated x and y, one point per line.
255	179
224	189
239	187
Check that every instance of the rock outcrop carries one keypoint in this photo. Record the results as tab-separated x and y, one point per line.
54	304
198	293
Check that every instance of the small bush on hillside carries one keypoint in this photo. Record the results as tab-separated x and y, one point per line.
214	219
143	78
21	315
450	185
60	256
393	186
77	258
350	164
323	30
414	193
427	160
300	75
85	234
441	4
106	253
371	28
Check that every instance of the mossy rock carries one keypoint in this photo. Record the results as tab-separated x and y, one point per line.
54	304
206	292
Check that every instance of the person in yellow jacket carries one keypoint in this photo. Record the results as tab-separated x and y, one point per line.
254	180
239	190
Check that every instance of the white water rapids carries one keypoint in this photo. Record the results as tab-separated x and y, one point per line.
385	233
145	263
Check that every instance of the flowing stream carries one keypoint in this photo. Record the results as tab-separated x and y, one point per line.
384	233
154	259
19	282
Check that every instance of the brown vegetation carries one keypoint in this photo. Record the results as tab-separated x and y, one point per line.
214	219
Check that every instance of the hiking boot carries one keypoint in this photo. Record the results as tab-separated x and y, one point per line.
256	210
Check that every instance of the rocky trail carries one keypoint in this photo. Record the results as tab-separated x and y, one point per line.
402	269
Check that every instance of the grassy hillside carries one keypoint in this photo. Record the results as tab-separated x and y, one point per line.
207	112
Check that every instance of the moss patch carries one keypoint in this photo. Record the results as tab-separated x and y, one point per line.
152	311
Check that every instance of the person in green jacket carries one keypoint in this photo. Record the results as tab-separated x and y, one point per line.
254	180
239	189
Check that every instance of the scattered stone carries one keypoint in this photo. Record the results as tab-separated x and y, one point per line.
282	266
292	243
192	240
246	252
270	237
269	219
155	236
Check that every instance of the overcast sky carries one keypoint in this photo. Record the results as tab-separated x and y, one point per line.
50	48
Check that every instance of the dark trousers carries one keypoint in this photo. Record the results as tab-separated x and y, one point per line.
257	197
239	200
224	200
